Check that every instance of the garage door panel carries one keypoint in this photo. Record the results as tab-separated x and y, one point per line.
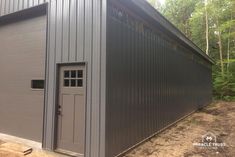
15	28
22	51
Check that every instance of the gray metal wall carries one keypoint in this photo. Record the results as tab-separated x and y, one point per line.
152	80
76	33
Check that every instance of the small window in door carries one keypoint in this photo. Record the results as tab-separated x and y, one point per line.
73	74
37	84
80	74
73	78
73	83
79	82
66	74
66	82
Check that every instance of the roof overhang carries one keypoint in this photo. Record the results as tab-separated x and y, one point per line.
150	14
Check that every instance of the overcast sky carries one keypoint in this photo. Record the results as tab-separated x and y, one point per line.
162	1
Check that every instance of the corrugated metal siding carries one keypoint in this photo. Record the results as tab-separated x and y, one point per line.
74	35
151	81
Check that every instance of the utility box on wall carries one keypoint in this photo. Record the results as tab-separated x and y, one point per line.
95	77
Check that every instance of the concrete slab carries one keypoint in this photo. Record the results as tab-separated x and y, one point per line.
11	146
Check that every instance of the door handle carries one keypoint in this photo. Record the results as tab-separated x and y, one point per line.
59	111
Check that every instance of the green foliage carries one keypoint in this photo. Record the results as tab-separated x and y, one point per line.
179	13
224	85
197	26
189	16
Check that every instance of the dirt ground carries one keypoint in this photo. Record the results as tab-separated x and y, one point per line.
177	141
10	149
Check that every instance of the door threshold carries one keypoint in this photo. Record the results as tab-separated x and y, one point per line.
70	153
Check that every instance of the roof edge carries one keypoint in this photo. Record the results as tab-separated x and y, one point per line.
155	16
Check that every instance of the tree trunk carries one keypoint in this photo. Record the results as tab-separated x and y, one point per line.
220	48
207	29
228	49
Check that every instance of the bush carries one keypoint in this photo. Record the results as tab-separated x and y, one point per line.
224	85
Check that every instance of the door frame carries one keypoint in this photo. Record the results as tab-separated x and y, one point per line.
58	66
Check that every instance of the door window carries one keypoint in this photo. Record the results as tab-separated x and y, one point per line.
37	84
73	78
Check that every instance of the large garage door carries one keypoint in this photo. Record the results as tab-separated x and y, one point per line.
22	67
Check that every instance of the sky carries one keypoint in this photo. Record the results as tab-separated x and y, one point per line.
162	1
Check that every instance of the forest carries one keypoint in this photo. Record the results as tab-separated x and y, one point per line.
210	24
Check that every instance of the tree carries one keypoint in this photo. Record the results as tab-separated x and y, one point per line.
207	29
197	26
179	12
210	24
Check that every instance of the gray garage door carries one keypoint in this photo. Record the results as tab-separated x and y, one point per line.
22	67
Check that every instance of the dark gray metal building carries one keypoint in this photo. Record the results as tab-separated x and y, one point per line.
94	78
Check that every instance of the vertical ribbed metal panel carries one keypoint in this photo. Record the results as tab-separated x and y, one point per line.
76	33
25	4
59	27
1	6
65	39
16	5
152	80
80	29
11	6
73	30
20	5
50	77
35	2
7	6
88	57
